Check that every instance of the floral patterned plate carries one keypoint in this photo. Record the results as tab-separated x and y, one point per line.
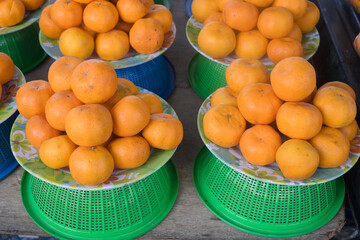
133	58
271	173
28	157
29	18
9	90
310	43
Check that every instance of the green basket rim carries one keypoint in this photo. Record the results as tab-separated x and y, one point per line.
288	230
54	229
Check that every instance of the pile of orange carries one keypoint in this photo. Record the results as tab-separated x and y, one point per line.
256	107
13	11
254	28
108	27
86	118
7	70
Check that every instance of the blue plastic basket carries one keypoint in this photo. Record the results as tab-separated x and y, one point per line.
188	7
7	160
157	76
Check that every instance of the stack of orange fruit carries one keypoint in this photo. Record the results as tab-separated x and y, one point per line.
256	107
108	27
90	120
254	28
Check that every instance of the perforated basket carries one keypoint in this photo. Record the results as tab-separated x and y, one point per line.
23	47
119	213
188	8
205	76
262	208
157	75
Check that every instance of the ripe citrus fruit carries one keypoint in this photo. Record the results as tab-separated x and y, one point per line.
281	48
295	33
133	88
11	12
310	18
47	26
350	130
7	68
121	91
31	5
162	14
100	16
132	10
201	9
152	101
340	85
76	42
296	7
214	17
260	3
112	45
223	95
241	16
66	13
251	44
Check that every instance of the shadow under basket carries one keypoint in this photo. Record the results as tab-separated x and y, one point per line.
262	208
7	161
157	76
120	213
23	47
205	76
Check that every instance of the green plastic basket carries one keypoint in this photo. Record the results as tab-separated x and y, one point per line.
261	208
166	3
119	213
205	76
23	47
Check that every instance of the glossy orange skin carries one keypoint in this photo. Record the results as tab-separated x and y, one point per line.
100	16
66	13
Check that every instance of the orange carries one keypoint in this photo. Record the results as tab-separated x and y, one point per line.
121	91
0	91
94	81
281	48
66	13
39	130
7	68
217	40
296	7
131	114
221	3
89	125
164	131
224	125
214	17
336	105
112	45
251	44
60	72
260	3
124	26
58	106
241	16
259	144
299	120
11	12
340	85
223	95
88	30
31	5
133	88
308	21
201	9
55	152
244	71
91	165
162	14
333	147
152	101
356	44
350	131
146	35
48	26
295	33
275	22
129	152
258	103
293	79
84	1
297	159
76	42
31	98
100	16
132	10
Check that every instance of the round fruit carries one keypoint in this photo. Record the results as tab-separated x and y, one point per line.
152	101
214	17
258	103
260	3
357	44
350	130
58	106
76	42
47	26
250	44
100	16
89	125
223	95
201	9
146	36
60	72
31	98
333	147
132	10
299	120
224	125
162	14
297	159
281	48
133	88
244	71
164	131
11	12
217	40
91	165
221	3
340	85
336	105
66	13
259	144
121	91
124	26
7	68
39	130
55	152
241	16
131	114
295	33
31	5
293	79
308	21
94	81
296	7
112	45
129	152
